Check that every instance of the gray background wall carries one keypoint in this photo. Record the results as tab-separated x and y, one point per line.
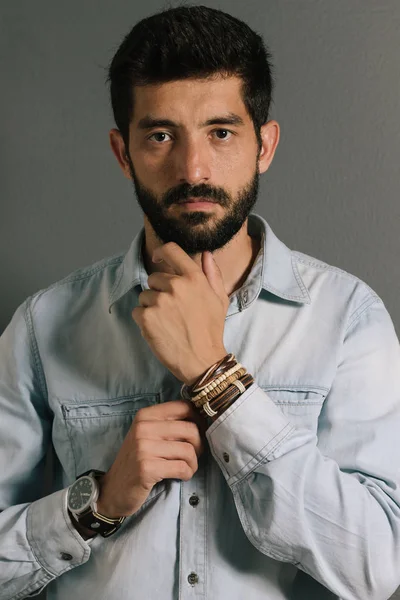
332	190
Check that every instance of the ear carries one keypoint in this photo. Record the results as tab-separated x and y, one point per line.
270	133
118	148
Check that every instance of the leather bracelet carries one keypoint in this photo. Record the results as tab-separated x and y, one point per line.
210	375
230	396
200	399
211	397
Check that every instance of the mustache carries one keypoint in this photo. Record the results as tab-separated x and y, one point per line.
182	193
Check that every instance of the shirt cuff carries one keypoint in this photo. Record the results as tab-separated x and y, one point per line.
251	430
56	543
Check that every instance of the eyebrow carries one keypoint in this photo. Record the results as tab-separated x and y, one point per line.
148	122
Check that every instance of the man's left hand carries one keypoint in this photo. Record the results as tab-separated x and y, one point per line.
182	315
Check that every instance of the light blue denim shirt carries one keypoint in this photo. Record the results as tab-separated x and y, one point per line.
297	495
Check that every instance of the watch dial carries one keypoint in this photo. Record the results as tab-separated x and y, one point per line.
80	493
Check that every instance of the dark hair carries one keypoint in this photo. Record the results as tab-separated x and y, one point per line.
190	41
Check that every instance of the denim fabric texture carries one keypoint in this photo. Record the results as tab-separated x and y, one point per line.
298	491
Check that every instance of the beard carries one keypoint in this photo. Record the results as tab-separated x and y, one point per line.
196	231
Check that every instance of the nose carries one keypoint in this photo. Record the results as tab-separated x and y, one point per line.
192	162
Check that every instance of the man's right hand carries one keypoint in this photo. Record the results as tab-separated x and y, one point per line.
163	442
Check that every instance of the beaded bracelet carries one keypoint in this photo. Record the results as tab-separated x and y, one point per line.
214	395
219	384
211	394
210	375
225	400
221	367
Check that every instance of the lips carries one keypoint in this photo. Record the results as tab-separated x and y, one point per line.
192	200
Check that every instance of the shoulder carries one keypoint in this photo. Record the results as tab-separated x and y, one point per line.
334	283
97	277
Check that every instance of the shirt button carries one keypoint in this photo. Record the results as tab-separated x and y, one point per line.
193	578
245	296
66	556
226	456
194	500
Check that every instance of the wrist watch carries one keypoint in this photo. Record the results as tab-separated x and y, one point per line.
82	504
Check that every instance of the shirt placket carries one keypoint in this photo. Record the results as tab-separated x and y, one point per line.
192	534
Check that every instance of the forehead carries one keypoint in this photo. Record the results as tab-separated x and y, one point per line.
190	99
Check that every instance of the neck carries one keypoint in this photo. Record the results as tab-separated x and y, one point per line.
235	260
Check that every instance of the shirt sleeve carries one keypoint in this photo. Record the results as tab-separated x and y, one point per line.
37	539
326	501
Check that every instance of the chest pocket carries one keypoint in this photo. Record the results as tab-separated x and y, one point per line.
96	430
301	404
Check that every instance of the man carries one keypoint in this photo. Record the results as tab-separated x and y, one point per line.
225	412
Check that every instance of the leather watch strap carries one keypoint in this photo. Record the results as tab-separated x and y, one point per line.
100	523
95	521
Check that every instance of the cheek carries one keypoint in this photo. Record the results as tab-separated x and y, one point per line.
149	168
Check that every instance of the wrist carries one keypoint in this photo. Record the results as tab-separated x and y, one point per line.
200	368
104	506
83	496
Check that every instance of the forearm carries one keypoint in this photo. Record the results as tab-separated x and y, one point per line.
37	544
297	506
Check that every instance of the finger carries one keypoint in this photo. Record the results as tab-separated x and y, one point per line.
173	410
170	410
161	281
170	450
159	469
184	431
177	259
148	298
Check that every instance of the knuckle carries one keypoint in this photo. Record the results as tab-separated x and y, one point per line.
142	468
139	427
175	285
190	452
139	415
192	429
185	471
150	279
145	318
140	447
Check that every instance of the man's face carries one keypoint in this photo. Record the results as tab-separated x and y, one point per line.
189	158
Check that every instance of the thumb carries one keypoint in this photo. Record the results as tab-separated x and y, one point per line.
213	273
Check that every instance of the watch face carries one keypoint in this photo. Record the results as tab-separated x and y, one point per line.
80	493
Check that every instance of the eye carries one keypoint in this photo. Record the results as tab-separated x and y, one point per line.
223	131
158	133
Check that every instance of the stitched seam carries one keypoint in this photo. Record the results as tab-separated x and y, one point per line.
304	387
282	294
361	309
235	406
281	438
327	267
35	349
115	400
35	547
133	282
299	403
117	282
72	278
300	282
101	416
33	587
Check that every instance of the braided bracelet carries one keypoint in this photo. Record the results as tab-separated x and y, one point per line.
218	393
223	402
209	390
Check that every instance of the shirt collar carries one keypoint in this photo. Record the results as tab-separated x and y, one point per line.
274	269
